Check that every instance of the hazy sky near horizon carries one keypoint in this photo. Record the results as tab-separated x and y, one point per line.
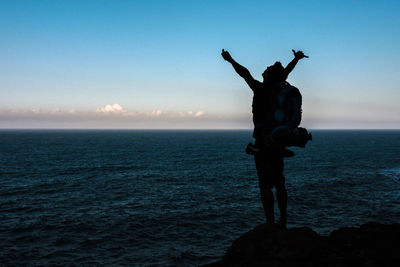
157	64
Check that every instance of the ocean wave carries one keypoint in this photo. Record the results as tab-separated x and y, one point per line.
393	173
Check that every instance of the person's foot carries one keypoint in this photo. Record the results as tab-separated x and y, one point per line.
286	153
251	149
270	218
282	223
270	224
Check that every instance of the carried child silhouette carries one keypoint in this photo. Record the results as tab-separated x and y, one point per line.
276	111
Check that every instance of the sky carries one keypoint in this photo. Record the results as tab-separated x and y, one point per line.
157	64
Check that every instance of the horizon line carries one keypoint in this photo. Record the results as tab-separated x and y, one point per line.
193	129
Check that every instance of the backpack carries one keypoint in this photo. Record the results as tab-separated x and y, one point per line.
287	109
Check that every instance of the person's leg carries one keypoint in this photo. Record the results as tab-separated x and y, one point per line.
264	172
281	193
267	199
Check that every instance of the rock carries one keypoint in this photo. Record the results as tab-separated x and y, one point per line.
371	244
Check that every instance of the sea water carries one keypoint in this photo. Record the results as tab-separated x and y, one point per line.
176	198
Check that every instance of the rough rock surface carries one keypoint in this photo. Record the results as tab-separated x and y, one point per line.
371	244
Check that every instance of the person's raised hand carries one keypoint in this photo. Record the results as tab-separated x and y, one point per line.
299	54
225	54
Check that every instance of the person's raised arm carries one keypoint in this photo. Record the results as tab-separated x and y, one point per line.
297	56
242	71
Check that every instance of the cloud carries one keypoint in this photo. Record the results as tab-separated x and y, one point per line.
189	114
199	113
157	112
111	108
103	112
56	111
170	114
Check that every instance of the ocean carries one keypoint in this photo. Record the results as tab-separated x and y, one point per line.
176	198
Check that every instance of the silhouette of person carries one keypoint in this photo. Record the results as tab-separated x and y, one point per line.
268	153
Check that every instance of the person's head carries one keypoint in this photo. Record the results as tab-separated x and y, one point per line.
274	73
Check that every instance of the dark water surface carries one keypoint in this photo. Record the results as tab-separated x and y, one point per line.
177	198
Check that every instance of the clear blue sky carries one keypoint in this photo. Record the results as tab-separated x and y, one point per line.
157	64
